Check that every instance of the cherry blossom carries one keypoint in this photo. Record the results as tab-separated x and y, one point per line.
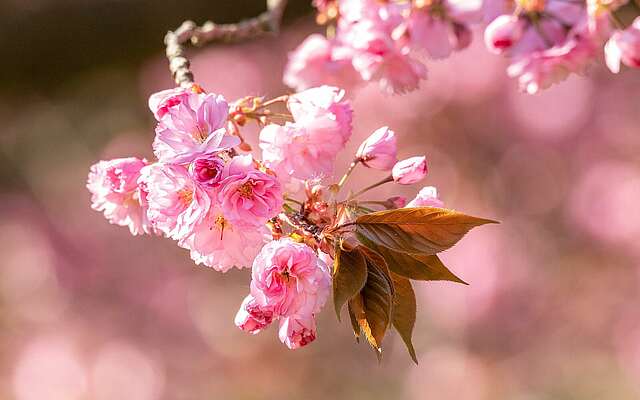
115	192
249	196
176	202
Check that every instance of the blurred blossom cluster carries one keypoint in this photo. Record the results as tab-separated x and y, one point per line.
389	41
550	313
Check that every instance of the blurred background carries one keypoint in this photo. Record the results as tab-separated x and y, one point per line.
89	312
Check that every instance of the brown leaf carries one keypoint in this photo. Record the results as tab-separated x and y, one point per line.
420	230
354	323
414	266
373	306
349	275
374	258
404	311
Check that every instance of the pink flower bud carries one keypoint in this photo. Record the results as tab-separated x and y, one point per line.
409	171
251	317
378	151
503	32
397	201
624	47
296	332
427	197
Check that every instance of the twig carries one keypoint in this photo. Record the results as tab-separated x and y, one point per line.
346	175
180	67
375	185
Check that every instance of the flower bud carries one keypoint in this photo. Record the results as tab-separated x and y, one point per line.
427	197
397	201
251	317
409	171
624	46
378	151
296	332
503	32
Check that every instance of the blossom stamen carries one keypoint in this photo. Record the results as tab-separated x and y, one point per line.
185	196
246	190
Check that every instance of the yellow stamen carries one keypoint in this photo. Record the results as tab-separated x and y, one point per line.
536	6
246	190
186	196
221	223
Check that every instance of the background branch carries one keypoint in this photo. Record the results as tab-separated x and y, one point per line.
267	22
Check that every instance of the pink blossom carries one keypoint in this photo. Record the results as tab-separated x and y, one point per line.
189	110
247	196
115	192
324	114
541	69
376	35
191	124
379	57
624	47
296	332
548	40
251	317
318	61
207	171
379	150
397	201
308	147
292	153
534	26
546	34
440	27
289	278
503	32
217	243
176	202
410	170
427	197
285	149
400	74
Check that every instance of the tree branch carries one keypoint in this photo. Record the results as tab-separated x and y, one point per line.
180	67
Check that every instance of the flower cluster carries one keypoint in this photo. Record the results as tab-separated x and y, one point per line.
382	41
546	41
387	41
229	209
